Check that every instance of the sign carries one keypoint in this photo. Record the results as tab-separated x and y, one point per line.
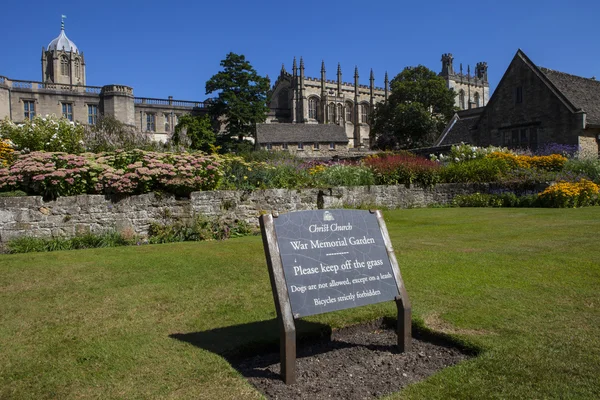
328	260
333	259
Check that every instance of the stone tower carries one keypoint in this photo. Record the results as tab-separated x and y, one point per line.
472	91
62	63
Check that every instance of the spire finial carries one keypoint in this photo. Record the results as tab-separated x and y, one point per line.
371	75
301	62
62	22
322	65
356	71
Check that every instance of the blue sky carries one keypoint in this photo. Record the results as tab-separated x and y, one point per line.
173	48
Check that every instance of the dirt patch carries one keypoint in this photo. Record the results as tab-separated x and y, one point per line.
358	362
435	322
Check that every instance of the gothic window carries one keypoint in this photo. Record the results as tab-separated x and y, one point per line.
477	100
364	113
92	114
331	112
151	122
312	108
64	66
67	111
28	109
461	99
349	112
340	114
77	71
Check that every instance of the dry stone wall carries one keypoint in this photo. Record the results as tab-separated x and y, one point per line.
69	216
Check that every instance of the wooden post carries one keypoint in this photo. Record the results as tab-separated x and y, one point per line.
404	326
287	327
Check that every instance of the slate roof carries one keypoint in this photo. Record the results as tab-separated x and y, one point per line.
583	93
296	133
460	127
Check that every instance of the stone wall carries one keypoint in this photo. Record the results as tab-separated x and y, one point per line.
69	216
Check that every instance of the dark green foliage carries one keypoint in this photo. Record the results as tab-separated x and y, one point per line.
194	132
87	241
495	200
416	112
480	170
242	98
14	193
200	228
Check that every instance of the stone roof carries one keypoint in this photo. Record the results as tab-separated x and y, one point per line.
583	93
296	133
460	127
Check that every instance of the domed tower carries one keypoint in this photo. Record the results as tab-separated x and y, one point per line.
62	63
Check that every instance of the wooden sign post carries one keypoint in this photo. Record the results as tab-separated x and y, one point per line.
328	260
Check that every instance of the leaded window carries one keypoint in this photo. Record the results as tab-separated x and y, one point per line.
364	113
151	122
67	111
92	114
349	112
28	109
331	112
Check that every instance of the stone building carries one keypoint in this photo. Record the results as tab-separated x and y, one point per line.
472	91
533	107
63	91
303	140
298	99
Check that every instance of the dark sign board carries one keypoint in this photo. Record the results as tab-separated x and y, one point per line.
333	259
328	260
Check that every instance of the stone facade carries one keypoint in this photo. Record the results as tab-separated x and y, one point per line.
472	91
63	91
296	98
534	106
69	216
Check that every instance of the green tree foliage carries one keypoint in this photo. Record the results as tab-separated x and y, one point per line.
195	132
418	109
242	99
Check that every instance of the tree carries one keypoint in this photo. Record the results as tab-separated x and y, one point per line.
195	132
109	134
242	99
419	107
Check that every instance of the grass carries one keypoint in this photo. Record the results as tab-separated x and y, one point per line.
520	284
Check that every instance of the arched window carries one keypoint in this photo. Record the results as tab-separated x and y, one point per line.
461	99
331	113
349	112
477	100
312	108
340	114
77	72
364	113
64	66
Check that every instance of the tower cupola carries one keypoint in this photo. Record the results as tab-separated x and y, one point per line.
62	62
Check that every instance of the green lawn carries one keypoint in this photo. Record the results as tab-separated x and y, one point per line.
523	285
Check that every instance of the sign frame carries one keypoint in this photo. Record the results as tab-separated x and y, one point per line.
285	318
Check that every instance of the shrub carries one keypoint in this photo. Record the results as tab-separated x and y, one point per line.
48	133
464	152
343	175
479	170
87	241
588	167
392	169
7	153
553	162
110	134
51	174
200	228
489	200
569	194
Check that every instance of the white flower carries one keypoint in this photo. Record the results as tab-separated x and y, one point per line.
456	159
